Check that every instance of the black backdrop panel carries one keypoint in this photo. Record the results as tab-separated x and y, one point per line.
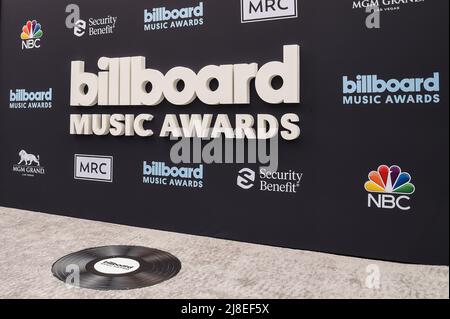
338	147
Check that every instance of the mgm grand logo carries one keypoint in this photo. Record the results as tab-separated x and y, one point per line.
28	165
384	5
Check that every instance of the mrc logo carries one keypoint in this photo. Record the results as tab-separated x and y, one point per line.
262	10
389	188
31	35
97	168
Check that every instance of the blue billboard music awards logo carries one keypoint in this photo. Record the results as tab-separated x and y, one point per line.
23	99
172	18
372	89
159	173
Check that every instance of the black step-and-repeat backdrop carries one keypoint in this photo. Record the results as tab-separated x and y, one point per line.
324	124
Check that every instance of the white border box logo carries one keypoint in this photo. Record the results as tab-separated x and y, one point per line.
263	10
93	167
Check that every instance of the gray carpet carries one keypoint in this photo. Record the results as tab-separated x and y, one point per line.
212	268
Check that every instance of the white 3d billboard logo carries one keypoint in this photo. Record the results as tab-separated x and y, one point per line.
122	81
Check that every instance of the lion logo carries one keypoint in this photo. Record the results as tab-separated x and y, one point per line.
28	159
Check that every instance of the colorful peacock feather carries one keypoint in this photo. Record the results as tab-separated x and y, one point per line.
389	180
31	30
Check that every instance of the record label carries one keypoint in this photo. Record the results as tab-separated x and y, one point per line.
116	266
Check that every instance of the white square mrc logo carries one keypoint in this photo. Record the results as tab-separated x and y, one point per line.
93	167
263	10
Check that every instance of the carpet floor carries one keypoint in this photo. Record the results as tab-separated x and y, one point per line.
31	242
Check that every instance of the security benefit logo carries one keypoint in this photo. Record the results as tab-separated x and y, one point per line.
162	18
31	35
94	26
28	165
96	168
389	188
163	174
246	178
263	10
372	89
268	181
25	99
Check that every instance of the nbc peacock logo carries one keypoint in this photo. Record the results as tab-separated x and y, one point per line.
389	188
31	35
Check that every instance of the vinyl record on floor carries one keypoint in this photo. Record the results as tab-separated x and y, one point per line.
116	267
